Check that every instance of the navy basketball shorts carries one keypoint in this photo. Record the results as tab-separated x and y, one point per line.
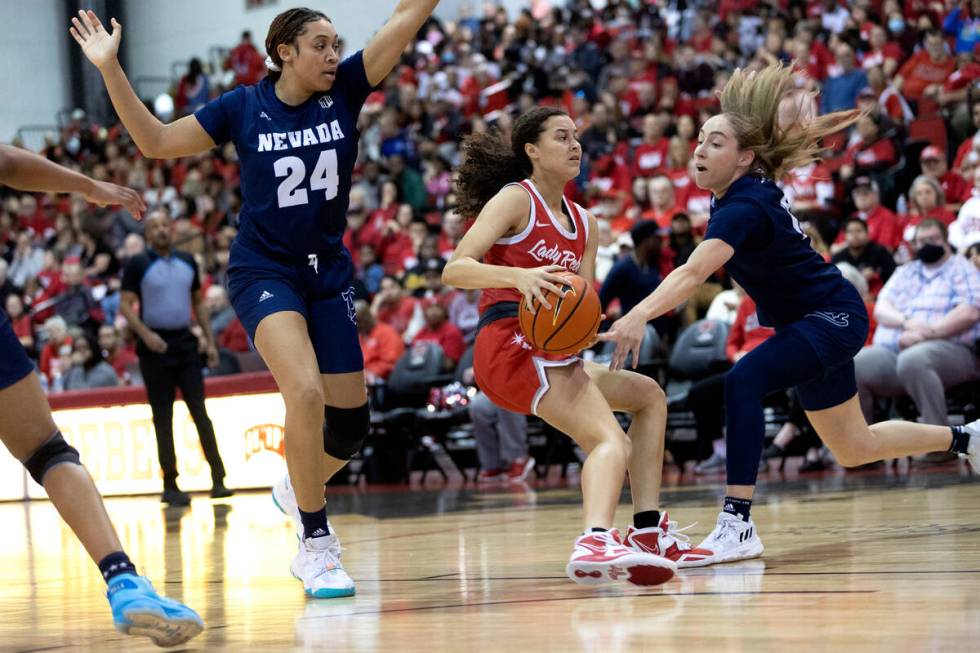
14	363
320	290
836	335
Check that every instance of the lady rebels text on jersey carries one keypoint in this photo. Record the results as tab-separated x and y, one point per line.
507	368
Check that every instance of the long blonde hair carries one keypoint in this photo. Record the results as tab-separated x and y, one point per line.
757	105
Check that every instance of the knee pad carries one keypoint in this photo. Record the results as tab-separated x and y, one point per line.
344	430
53	452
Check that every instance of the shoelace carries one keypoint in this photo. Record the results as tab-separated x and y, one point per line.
326	560
678	533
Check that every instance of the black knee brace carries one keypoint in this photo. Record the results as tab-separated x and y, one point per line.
344	430
53	452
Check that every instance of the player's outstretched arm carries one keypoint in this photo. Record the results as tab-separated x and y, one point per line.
24	170
628	331
154	139
385	49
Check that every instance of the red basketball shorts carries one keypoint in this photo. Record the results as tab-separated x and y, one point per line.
510	371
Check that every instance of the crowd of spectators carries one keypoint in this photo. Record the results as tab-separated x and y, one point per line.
638	79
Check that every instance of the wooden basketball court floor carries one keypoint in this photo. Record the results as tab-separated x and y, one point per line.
873	561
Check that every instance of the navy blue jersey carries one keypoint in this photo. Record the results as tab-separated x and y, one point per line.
773	259
296	162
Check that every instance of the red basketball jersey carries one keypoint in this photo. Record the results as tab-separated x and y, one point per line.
544	241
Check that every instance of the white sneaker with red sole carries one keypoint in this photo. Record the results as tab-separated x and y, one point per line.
670	542
600	558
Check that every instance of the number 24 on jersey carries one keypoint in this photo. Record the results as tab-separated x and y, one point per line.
324	177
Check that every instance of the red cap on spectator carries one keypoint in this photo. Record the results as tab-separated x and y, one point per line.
931	152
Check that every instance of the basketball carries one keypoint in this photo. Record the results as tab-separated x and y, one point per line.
570	324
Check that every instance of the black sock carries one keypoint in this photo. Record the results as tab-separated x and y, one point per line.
961	440
596	529
738	507
646	519
116	563
315	523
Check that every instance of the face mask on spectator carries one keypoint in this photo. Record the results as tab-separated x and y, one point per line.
930	253
896	25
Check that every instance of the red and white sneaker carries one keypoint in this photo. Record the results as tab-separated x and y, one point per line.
519	469
670	542
600	558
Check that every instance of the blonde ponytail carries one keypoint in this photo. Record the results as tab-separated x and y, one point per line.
770	117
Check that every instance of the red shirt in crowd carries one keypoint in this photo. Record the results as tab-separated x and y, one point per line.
449	337
397	315
234	337
877	155
746	333
884	227
382	348
650	158
123	358
920	71
956	189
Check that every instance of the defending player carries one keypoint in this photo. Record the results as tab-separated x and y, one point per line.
820	321
289	274
29	432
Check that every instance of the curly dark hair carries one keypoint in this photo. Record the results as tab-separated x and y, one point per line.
489	163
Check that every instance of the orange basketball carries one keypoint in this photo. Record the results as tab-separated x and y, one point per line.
570	324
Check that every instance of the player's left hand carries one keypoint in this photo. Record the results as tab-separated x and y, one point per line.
103	193
627	332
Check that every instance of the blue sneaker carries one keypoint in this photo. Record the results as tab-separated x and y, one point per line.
138	610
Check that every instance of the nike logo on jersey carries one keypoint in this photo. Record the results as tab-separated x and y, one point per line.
265	295
837	319
540	224
322	133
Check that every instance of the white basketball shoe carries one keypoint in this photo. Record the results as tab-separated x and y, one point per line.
318	565
733	539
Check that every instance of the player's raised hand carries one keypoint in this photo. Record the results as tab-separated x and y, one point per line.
103	193
100	46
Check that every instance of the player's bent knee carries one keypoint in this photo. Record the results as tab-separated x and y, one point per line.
345	430
307	396
54	451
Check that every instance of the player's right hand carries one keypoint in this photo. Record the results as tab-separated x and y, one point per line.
532	282
103	193
155	343
99	46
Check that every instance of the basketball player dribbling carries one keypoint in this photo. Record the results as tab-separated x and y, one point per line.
289	274
820	321
28	431
516	190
